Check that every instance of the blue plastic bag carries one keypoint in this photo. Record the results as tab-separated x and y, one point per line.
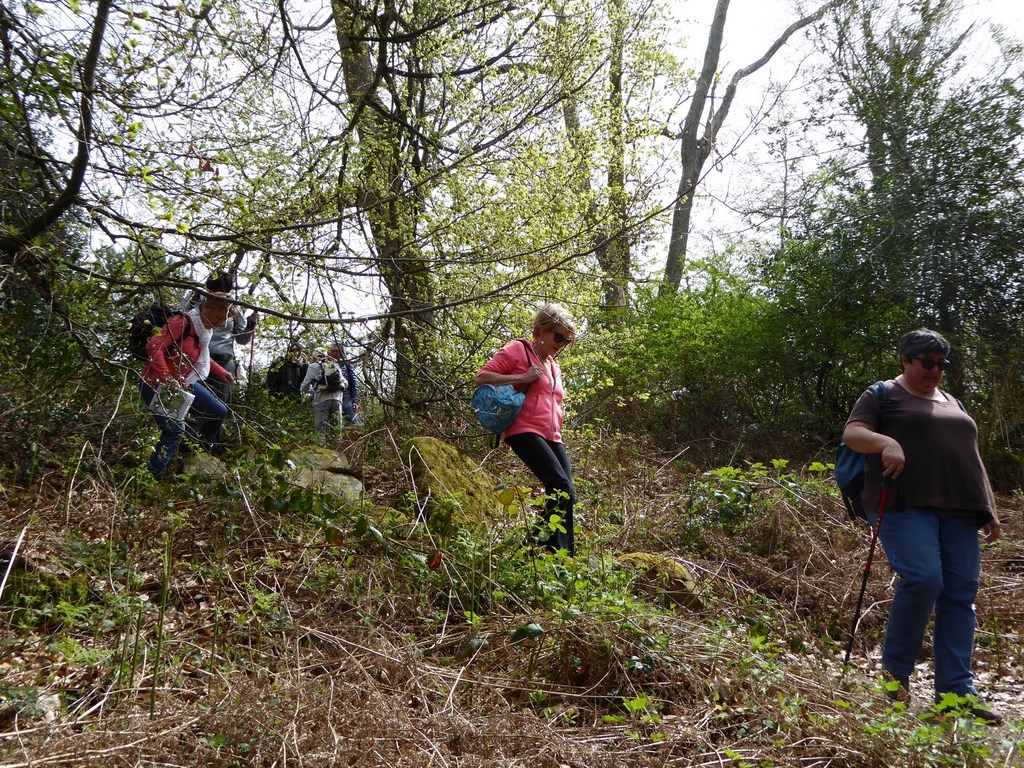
497	407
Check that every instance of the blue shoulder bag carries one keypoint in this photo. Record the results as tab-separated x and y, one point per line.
496	407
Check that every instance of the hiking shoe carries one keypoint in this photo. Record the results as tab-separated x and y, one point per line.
897	687
962	706
986	715
165	476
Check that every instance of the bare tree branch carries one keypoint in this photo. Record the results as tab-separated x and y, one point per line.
694	145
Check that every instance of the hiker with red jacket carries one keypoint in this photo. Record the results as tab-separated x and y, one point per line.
536	434
179	357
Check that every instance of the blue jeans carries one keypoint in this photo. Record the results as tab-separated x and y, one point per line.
550	463
196	421
348	410
207	406
939	562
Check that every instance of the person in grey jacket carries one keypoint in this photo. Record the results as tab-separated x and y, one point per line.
327	402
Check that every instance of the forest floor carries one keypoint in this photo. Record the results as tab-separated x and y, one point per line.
212	623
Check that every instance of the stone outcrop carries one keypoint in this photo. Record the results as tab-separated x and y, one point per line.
663	578
326	471
448	482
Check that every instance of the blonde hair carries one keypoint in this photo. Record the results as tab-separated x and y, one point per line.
550	316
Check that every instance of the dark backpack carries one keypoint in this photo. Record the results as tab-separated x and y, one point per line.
150	322
331	379
851	466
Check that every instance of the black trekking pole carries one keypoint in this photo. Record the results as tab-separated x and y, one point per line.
867	571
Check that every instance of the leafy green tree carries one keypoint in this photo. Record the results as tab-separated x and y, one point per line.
916	223
612	121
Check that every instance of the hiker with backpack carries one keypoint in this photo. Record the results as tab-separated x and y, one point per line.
236	328
326	381
922	442
535	436
177	368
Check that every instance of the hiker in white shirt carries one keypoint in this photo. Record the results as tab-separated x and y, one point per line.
327	395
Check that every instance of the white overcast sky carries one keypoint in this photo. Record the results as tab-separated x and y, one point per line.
751	27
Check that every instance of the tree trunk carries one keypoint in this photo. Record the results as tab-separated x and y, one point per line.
384	195
610	242
13	244
695	145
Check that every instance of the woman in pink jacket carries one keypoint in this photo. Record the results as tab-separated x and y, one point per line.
536	434
180	356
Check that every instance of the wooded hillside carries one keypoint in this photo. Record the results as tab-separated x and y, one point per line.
412	180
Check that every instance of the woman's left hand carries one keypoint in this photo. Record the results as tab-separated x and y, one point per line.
992	529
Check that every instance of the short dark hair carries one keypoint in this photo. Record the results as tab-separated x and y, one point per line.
923	341
220	282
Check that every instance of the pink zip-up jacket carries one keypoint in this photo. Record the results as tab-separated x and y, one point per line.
542	411
173	353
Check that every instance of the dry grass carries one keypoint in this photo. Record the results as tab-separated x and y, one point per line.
279	650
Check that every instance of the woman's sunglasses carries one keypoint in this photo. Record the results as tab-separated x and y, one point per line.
560	339
927	363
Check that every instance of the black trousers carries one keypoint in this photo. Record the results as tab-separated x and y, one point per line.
550	463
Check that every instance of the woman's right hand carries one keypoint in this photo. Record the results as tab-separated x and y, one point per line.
535	372
893	459
862	438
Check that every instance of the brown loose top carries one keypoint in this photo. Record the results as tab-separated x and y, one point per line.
943	469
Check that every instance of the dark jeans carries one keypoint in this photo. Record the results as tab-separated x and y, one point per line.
550	463
202	428
206	406
348	410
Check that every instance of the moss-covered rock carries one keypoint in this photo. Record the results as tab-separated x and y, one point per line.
663	578
206	467
326	471
449	484
390	519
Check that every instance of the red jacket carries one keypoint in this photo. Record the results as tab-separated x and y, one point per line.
542	411
173	353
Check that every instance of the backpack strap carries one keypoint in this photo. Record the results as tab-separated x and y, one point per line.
528	349
849	465
187	329
880	389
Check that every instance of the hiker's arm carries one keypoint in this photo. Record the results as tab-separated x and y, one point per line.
156	348
861	438
992	529
309	378
497	379
353	390
243	327
216	369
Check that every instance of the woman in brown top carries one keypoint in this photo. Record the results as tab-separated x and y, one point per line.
923	441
